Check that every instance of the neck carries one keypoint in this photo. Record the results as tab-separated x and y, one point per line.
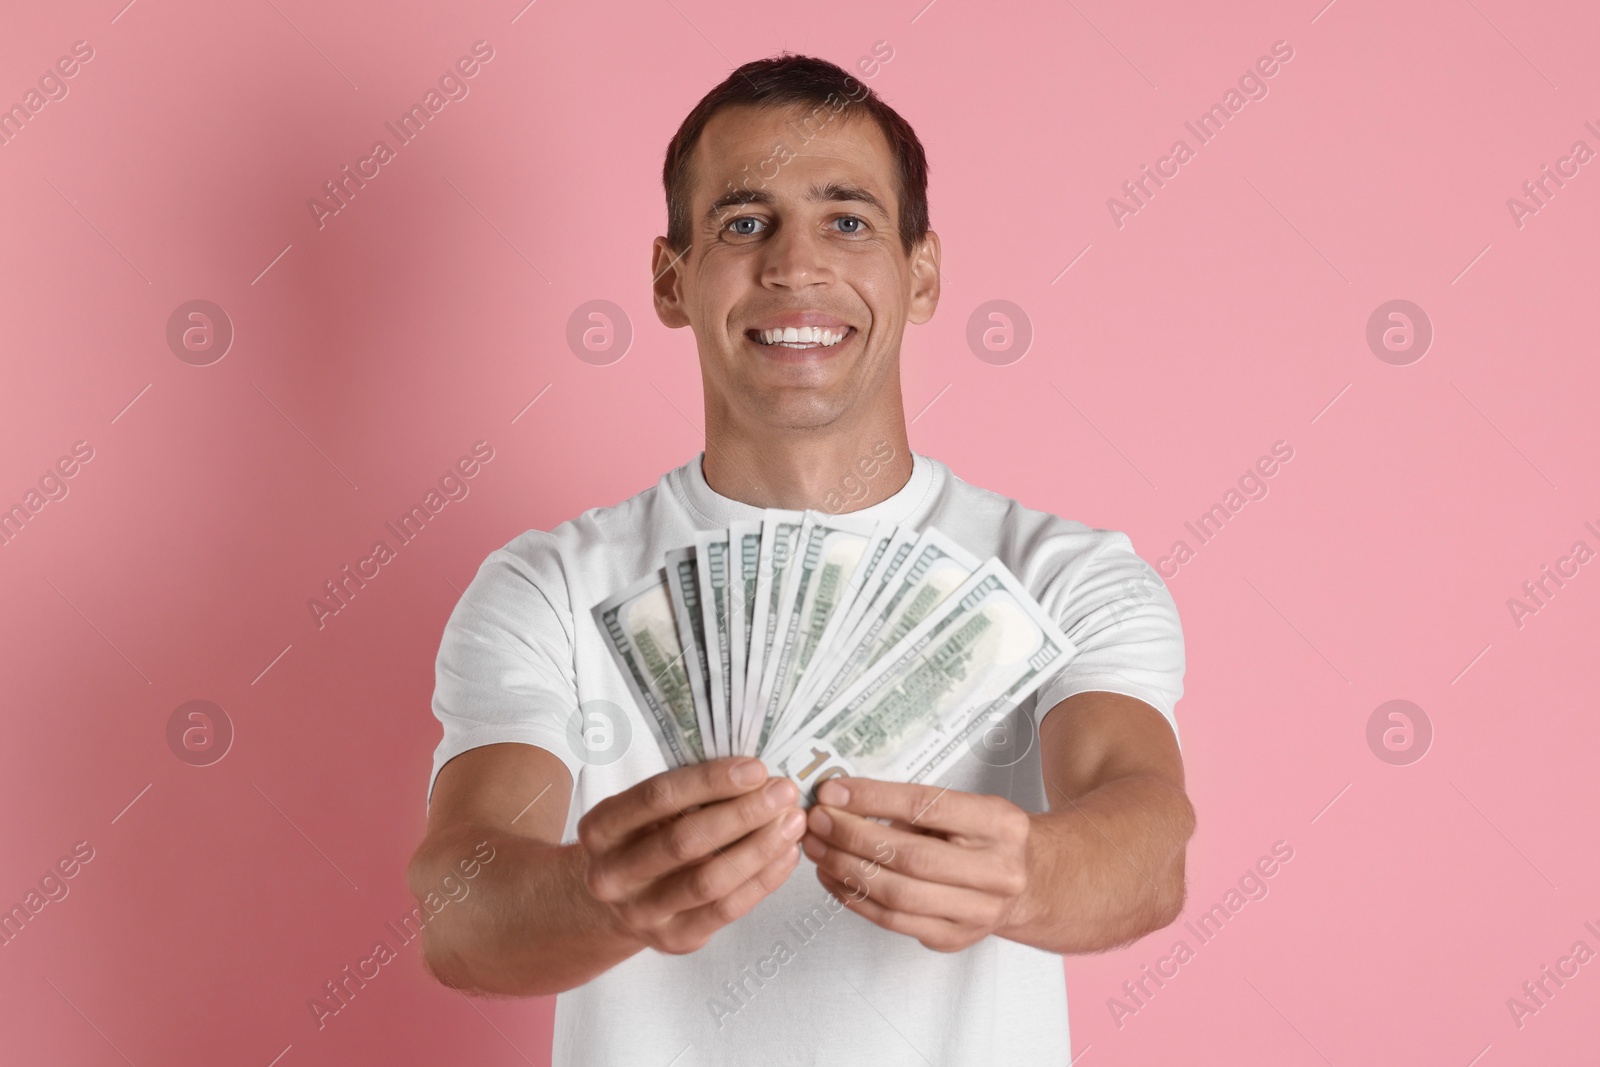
837	471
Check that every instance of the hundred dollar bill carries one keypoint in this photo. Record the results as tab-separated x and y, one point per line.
683	586
987	648
860	584
829	553
639	628
882	562
780	532
937	566
713	573
744	547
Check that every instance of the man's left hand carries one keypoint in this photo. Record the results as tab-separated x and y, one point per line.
949	869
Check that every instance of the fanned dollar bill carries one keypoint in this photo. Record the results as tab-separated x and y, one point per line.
885	564
828	553
935	568
713	572
821	672
683	588
860	587
828	645
986	648
744	545
640	629
780	533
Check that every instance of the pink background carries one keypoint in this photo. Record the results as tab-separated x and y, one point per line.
1228	314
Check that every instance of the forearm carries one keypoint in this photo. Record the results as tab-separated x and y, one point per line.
1105	868
526	928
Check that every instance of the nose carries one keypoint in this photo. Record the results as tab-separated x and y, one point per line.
796	257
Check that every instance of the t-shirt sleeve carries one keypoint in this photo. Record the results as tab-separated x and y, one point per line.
505	666
1124	622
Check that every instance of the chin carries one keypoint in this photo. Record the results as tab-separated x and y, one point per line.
798	412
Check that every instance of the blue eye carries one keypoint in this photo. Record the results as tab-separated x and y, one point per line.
745	225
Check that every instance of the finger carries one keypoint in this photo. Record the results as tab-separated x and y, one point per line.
921	856
684	840
726	871
939	934
665	795
972	816
901	824
901	892
689	930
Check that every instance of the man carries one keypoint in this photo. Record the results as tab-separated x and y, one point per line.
924	923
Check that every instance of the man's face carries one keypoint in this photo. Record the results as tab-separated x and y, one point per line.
796	230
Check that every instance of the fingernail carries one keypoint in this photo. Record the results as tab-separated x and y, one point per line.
781	794
814	848
793	825
820	821
833	792
748	773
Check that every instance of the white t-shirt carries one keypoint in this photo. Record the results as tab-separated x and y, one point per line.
800	979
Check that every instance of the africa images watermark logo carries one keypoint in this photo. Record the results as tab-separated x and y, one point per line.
1252	486
53	887
52	486
1538	992
52	87
338	993
1252	885
1252	85
454	485
1538	192
453	85
741	990
1539	591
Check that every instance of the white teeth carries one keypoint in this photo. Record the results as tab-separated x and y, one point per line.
803	336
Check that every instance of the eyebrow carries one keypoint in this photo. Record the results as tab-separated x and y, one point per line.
829	192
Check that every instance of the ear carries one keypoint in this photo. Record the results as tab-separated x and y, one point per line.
924	279
666	286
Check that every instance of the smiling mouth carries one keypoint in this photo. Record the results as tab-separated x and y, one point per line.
801	338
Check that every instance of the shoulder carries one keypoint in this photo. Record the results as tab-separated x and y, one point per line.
601	547
1109	602
1044	550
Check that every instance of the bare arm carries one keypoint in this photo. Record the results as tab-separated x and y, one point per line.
1105	865
664	864
526	927
1102	868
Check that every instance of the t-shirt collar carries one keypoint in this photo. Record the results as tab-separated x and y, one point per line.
711	508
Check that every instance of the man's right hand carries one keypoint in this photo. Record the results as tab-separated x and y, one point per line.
682	854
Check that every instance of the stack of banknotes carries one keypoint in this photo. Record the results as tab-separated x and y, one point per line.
827	645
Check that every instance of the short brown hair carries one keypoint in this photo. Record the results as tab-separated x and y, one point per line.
787	80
